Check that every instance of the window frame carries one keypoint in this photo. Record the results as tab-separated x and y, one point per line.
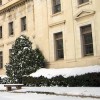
56	6
57	49
11	28
0	32
10	53
1	59
84	44
23	24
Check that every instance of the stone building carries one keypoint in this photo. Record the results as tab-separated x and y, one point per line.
66	31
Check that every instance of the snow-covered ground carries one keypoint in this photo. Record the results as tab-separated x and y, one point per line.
31	96
51	93
55	93
66	72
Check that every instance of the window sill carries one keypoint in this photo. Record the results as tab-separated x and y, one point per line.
81	5
11	35
87	56
60	59
56	14
22	32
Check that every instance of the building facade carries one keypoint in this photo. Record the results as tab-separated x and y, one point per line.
66	31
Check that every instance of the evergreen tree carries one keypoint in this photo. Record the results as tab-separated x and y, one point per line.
39	60
23	59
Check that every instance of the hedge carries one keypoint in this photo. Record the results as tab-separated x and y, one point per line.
89	79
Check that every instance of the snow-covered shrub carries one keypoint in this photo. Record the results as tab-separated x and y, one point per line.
5	80
23	59
90	79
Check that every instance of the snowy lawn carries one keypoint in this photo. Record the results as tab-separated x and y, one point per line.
51	93
34	96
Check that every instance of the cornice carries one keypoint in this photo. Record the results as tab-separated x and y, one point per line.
57	23
84	13
12	4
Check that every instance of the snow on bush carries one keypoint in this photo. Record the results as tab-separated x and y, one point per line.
3	76
65	72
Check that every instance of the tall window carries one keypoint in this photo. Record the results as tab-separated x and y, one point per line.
1	59
59	45
0	32
82	1
86	32
11	31
23	24
10	51
56	6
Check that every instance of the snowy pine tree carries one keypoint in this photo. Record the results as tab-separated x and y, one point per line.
23	60
39	60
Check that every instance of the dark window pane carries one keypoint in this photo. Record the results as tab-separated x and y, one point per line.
60	54
56	2
86	29
82	1
1	60
10	52
87	38
11	28
57	9
86	32
0	31
23	23
59	45
89	49
56	6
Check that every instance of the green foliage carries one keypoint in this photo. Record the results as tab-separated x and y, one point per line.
23	59
90	79
39	60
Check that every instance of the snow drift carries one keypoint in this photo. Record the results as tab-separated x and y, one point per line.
65	72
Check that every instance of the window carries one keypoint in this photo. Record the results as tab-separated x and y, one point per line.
10	51
1	59
56	6
0	2
23	24
82	1
11	32
0	32
86	32
59	45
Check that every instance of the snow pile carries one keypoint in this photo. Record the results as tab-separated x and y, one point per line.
2	88
65	72
3	76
